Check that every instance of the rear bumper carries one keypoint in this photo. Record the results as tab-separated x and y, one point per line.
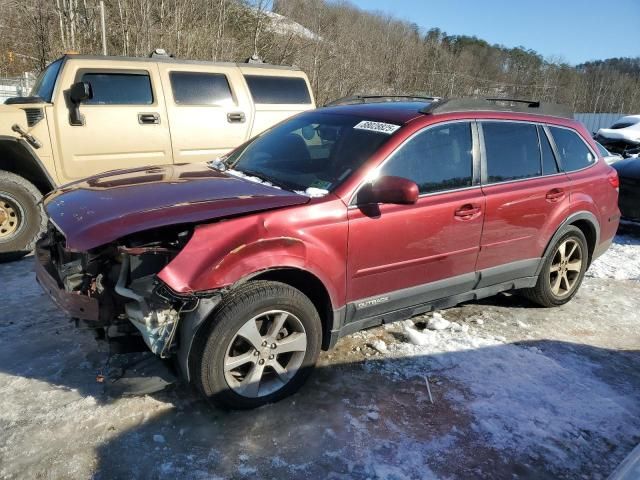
73	304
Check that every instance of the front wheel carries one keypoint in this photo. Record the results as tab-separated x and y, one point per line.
22	218
260	347
562	271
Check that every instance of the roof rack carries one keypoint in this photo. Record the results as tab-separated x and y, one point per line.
447	105
356	99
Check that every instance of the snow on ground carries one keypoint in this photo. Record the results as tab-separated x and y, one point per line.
621	261
492	389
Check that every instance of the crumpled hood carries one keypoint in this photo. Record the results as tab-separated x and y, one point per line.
103	208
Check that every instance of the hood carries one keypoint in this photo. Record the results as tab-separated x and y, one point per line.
628	168
103	208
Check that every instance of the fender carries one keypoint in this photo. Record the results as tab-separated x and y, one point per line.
580	215
223	254
19	158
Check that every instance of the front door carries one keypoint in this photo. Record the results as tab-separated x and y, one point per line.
124	123
402	255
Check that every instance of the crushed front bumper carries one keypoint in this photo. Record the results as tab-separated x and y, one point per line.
75	305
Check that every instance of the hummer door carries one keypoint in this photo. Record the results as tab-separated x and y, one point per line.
123	123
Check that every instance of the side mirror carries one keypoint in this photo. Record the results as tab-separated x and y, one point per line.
78	93
389	189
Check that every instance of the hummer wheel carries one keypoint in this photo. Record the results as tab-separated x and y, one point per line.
22	218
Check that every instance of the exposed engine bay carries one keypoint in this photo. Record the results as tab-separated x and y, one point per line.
122	278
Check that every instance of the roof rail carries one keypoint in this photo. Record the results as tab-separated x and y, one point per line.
356	99
447	105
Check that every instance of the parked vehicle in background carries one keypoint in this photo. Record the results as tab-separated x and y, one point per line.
629	175
90	114
338	219
622	135
608	157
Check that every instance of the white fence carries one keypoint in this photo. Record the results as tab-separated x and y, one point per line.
596	121
16	86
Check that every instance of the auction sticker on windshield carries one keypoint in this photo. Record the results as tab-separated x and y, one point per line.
381	127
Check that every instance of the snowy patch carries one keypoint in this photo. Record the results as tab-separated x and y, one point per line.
523	399
620	262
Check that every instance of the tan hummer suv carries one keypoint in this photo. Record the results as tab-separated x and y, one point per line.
90	114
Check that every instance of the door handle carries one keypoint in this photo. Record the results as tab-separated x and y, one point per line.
236	117
554	195
467	212
148	118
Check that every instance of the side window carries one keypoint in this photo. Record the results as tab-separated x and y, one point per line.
272	89
195	88
549	164
512	151
439	158
574	153
119	88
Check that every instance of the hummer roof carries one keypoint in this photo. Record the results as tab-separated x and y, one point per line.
177	61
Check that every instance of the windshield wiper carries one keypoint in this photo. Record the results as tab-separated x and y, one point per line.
266	178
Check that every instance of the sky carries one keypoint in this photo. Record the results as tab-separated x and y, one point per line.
572	30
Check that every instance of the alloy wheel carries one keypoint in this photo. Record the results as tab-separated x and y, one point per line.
265	354
565	267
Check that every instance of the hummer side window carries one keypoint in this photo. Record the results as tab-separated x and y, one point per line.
439	158
119	88
196	88
269	89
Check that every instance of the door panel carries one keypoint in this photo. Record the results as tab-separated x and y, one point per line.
519	219
403	246
113	135
210	110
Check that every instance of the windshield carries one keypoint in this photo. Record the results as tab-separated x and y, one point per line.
312	153
46	81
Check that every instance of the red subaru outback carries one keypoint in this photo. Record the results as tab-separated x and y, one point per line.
336	220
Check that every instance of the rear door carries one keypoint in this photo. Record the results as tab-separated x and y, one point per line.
125	123
403	255
209	108
527	198
276	94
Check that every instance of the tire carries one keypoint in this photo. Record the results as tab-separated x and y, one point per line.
544	293
22	218
259	304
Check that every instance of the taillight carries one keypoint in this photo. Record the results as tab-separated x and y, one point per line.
614	180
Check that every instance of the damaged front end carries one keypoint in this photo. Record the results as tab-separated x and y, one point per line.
115	288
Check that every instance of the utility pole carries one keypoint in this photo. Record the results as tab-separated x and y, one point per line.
104	28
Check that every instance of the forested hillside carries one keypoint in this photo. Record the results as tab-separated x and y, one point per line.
344	50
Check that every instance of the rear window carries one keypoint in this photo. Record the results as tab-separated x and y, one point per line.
195	88
512	151
270	89
119	88
574	153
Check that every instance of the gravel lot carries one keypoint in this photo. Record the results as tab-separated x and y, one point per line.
518	392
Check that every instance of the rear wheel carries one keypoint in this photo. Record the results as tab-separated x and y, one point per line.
22	219
260	347
562	271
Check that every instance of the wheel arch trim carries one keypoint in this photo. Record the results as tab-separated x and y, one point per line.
582	215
